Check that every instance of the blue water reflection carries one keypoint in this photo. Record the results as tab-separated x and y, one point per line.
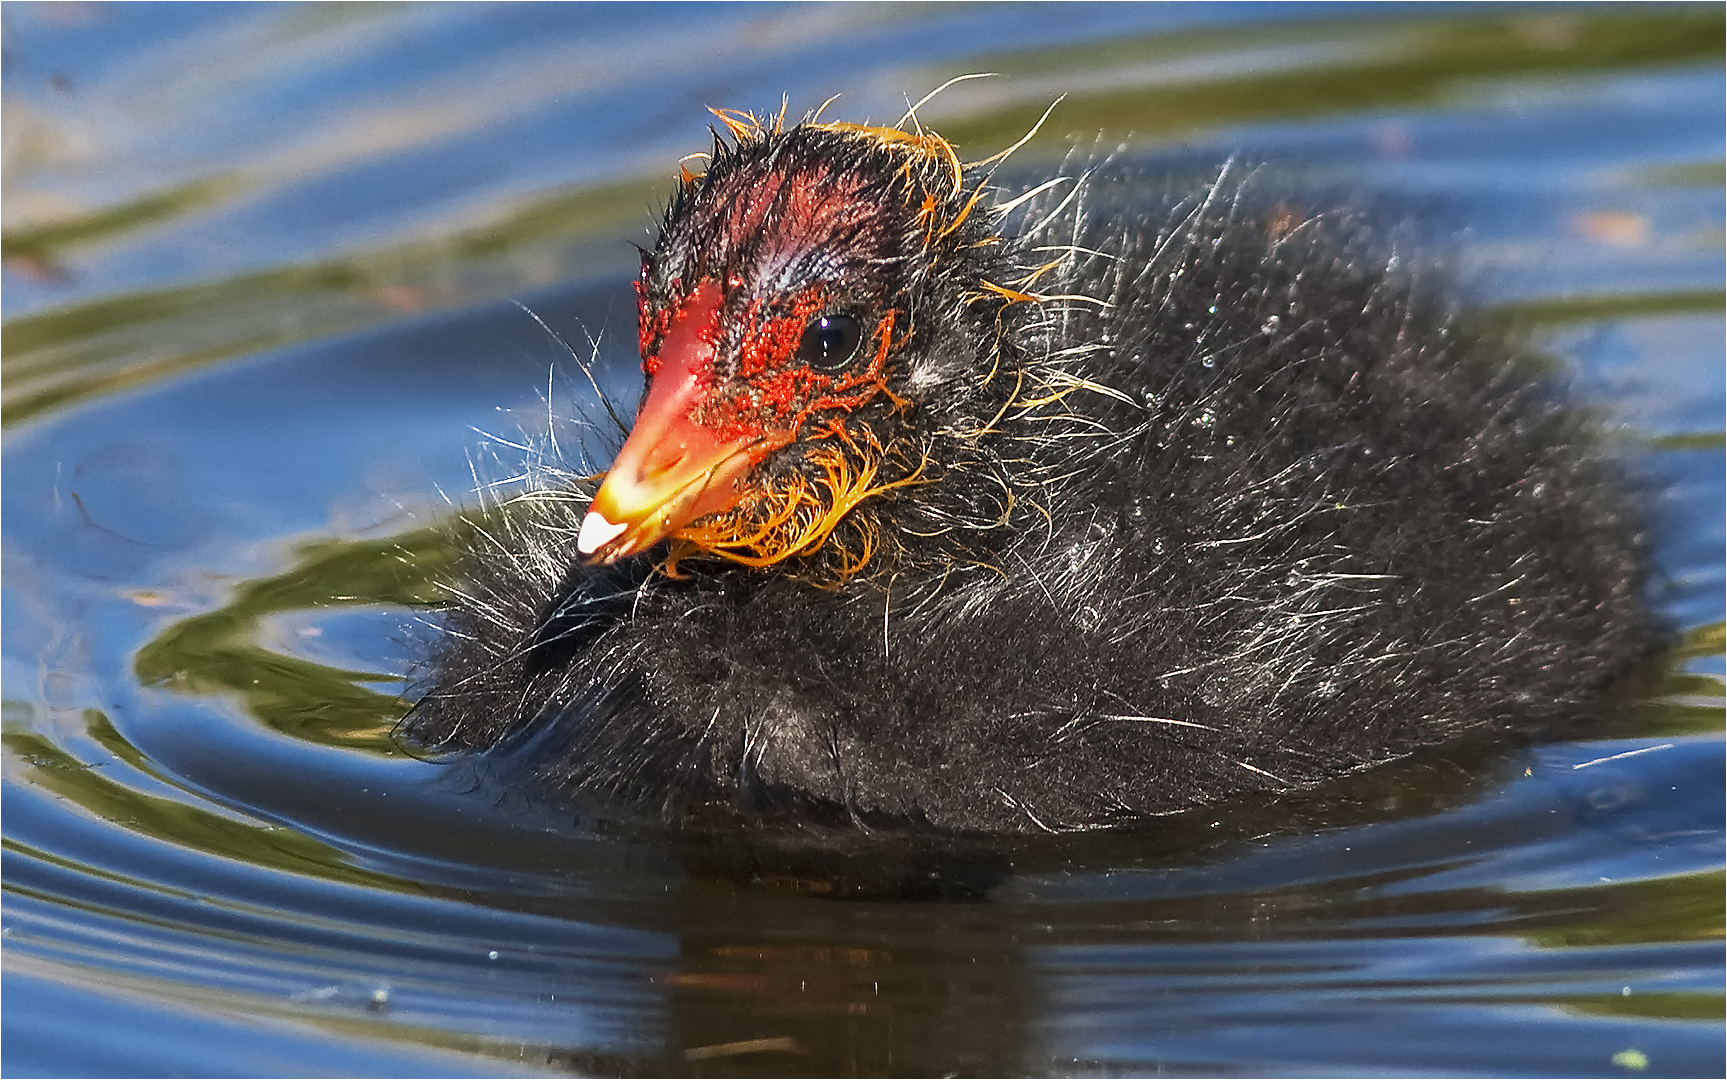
261	336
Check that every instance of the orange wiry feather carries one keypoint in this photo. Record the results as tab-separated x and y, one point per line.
797	516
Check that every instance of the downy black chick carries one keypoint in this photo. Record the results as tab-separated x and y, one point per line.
1012	515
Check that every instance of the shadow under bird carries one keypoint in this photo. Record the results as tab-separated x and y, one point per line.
991	512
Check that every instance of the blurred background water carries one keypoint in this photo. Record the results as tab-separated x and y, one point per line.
260	273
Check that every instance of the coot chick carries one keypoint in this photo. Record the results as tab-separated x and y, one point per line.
1000	514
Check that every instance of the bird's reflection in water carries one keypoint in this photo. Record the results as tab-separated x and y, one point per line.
805	950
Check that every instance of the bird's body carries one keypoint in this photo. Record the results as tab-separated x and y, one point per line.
1220	500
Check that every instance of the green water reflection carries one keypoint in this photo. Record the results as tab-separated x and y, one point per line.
56	358
1369	65
183	824
219	653
59	357
43	243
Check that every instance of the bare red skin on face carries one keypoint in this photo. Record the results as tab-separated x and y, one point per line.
652	327
720	351
790	226
773	392
655	326
799	220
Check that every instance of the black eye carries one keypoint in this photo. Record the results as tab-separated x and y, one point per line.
830	342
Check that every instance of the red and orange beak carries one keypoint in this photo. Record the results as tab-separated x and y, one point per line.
671	470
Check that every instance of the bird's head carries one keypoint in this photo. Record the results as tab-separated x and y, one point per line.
788	314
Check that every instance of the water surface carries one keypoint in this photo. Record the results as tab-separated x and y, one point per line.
261	273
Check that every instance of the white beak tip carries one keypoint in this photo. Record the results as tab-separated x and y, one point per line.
596	533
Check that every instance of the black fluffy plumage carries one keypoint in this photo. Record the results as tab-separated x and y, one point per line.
1224	500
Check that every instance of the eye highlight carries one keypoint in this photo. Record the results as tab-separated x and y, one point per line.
830	341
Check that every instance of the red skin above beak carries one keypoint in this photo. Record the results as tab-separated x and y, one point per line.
671	470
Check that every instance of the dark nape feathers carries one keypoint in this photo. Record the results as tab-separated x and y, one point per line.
1263	510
